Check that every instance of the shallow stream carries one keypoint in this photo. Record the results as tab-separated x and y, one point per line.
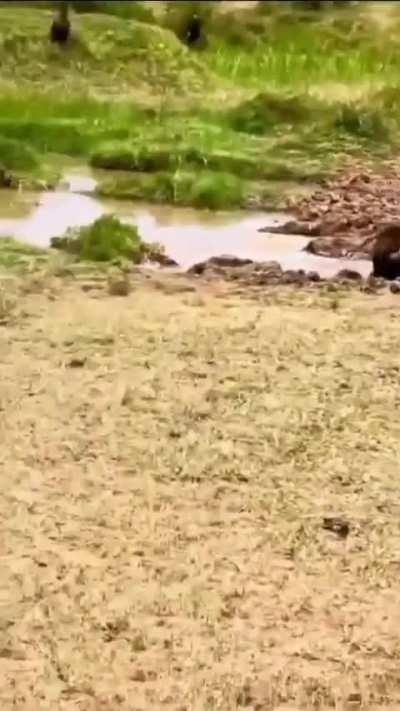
188	235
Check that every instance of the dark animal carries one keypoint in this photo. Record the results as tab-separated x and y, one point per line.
386	252
60	32
194	31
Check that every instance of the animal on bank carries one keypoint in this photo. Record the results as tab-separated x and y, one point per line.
386	252
60	30
193	34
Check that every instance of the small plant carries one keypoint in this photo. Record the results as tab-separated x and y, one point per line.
105	240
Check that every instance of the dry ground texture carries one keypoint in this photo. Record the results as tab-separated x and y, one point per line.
167	460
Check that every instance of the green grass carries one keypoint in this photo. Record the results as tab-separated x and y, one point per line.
14	254
15	155
276	96
202	189
285	48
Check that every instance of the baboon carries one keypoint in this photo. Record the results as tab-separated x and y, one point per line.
194	31
386	252
61	27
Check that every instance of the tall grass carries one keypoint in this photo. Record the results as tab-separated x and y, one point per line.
289	48
277	67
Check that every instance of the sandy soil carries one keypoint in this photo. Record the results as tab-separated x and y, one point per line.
167	462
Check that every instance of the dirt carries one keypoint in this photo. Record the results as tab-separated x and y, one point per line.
199	503
344	215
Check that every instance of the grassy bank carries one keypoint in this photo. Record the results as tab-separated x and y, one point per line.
276	98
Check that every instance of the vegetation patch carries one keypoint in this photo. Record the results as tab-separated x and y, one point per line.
204	189
105	240
149	158
362	121
268	110
17	156
17	254
271	113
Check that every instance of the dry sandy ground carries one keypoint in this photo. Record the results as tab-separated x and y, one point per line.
167	460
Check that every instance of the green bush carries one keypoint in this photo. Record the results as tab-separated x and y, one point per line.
105	240
17	156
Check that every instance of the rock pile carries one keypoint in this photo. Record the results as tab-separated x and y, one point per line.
344	216
247	272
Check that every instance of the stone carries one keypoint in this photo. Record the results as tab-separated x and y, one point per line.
337	525
163	260
294	227
223	261
313	276
349	275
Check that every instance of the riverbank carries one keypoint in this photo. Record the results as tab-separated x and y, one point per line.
225	127
185	235
166	541
343	217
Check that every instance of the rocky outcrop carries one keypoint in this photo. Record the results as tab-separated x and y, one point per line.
293	227
250	273
223	261
339	247
345	216
233	269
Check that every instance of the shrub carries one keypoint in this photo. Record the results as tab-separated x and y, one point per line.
105	240
15	155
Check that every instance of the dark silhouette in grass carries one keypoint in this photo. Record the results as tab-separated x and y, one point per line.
193	34
60	30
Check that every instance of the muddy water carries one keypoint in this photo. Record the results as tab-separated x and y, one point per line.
188	235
